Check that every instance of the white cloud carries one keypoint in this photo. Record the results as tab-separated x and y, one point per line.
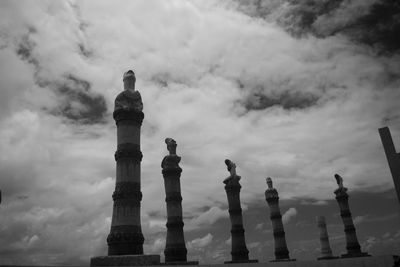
201	242
288	215
207	218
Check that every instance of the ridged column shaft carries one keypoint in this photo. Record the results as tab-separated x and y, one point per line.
324	239
175	249
239	250
352	245
272	198
126	236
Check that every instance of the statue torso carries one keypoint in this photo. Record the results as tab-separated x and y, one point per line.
129	100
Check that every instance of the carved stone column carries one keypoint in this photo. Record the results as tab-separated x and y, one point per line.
125	240
272	198
324	240
175	249
352	245
239	251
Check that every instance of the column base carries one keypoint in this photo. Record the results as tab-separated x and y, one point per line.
283	260
355	255
328	258
180	263
241	261
126	260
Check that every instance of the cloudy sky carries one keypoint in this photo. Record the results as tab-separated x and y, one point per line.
295	90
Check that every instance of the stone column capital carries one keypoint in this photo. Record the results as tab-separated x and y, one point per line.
128	116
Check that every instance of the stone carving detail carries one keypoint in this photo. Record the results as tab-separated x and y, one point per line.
170	163
129	99
125	190
233	179
271	192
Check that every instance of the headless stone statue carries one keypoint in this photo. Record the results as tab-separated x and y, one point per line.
129	99
172	160
233	178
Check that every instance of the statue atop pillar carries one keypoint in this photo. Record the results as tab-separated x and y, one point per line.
172	160
271	192
125	240
129	99
233	178
352	244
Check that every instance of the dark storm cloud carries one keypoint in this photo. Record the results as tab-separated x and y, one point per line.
25	47
287	100
79	103
375	23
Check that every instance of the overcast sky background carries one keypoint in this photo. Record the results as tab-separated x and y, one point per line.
294	90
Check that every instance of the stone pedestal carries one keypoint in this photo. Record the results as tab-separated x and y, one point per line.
126	260
392	157
352	245
240	253
175	250
324	240
125	237
272	198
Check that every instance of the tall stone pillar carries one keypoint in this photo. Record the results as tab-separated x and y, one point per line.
125	240
239	251
175	249
352	245
324	240
392	156
272	198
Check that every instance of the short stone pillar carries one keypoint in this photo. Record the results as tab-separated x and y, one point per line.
352	245
239	251
272	198
125	240
324	240
175	249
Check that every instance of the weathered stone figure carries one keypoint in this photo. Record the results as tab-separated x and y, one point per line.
324	240
125	240
392	157
239	251
272	198
352	245
175	249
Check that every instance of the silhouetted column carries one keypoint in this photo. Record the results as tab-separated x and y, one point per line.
126	236
324	240
125	240
272	198
239	251
175	249
352	245
392	156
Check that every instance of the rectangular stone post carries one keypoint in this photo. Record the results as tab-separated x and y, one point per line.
392	156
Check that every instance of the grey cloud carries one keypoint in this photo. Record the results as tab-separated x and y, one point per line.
287	100
373	22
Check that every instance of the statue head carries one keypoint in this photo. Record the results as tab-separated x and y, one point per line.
269	182
171	145
129	80
231	167
339	180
